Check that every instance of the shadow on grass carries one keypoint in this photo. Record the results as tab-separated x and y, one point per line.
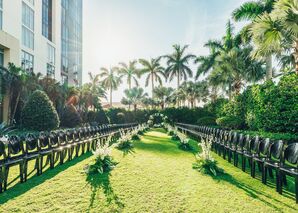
254	193
102	181
22	188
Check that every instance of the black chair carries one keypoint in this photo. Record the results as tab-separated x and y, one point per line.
71	145
31	153
245	151
55	148
3	156
15	156
289	166
239	149
273	161
251	149
62	148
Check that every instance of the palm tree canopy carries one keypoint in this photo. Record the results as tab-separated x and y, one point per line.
110	78
134	96
178	63
129	71
153	69
252	9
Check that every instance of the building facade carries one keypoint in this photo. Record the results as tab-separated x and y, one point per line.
42	36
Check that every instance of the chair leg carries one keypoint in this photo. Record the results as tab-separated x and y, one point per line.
40	165
279	181
21	166
243	163
296	188
52	163
253	168
5	177
25	170
61	157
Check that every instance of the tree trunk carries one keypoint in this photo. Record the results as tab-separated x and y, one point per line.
178	85
135	107
296	57
269	67
152	83
111	97
129	87
15	107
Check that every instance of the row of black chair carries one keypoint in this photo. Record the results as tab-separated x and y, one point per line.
266	153
53	146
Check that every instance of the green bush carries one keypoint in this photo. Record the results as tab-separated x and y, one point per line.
70	117
207	121
98	117
39	113
230	122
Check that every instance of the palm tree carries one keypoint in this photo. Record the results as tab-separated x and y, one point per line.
163	94
178	64
277	32
130	72
251	11
153	70
134	97
110	80
229	63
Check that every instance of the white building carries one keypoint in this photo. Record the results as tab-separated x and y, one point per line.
43	36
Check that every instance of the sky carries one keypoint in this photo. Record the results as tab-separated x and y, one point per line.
122	30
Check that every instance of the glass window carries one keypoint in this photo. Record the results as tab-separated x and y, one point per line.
64	79
1	14
50	70
47	19
27	61
1	57
51	54
28	26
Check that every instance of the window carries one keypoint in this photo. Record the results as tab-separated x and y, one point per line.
27	61
27	26
64	79
47	19
31	1
1	14
1	57
51	61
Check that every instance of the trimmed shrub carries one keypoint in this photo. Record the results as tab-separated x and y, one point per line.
98	117
70	117
230	122
39	113
207	121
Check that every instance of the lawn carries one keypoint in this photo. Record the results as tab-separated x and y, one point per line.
157	177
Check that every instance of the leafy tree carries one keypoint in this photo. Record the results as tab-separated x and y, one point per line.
251	11
134	97
277	32
110	80
178	64
163	94
130	72
153	70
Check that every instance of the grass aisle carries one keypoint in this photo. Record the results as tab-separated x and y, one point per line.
158	177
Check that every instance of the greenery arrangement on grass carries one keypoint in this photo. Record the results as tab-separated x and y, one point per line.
104	161
183	142
205	163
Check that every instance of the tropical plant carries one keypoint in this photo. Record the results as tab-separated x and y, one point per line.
153	70
130	72
250	11
183	141
134	97
276	33
178	64
163	95
110	80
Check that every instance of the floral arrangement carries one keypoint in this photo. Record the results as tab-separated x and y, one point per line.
184	141
104	161
125	140
205	163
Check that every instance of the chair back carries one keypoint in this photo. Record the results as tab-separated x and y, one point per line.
255	144
2	149
31	142
276	149
291	153
62	137
43	139
247	143
15	145
264	146
54	138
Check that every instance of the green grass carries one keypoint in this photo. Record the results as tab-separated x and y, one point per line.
156	177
